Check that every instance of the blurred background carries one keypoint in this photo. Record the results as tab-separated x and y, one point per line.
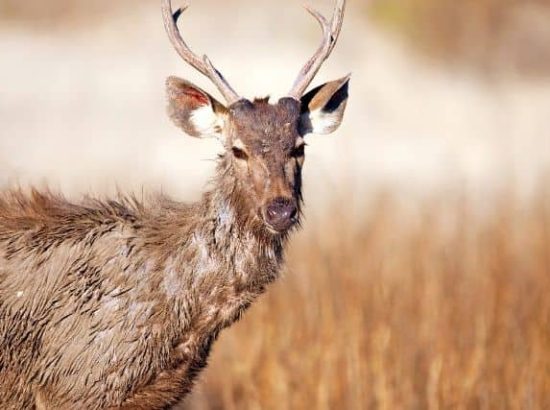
421	277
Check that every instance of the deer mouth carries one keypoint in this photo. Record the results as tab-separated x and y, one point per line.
281	228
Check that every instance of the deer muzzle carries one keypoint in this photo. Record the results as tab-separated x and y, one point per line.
280	214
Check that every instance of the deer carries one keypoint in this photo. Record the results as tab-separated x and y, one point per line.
115	304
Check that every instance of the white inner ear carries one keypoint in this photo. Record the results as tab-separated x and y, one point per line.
207	122
322	122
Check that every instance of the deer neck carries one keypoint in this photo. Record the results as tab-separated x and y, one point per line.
235	223
224	243
226	258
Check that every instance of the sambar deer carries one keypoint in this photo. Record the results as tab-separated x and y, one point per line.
115	304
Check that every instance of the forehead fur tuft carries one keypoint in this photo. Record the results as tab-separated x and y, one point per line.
263	100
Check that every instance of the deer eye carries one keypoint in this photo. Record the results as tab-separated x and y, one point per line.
239	153
298	152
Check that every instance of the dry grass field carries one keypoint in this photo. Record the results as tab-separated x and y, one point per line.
487	35
438	307
419	287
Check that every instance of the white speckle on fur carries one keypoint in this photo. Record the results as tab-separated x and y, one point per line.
172	281
20	294
200	243
138	312
225	215
205	263
111	304
124	251
144	270
104	335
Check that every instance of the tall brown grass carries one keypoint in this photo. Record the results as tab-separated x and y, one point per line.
439	306
486	34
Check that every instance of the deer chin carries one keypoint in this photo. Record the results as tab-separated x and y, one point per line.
281	229
272	230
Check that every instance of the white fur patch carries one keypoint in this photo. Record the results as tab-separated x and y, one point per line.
172	282
238	144
322	122
111	304
205	263
225	215
206	121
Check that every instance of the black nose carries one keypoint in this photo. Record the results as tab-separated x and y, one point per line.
281	213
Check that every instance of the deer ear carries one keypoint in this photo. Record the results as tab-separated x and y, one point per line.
323	107
194	110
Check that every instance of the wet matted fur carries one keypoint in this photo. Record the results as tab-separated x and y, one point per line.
116	303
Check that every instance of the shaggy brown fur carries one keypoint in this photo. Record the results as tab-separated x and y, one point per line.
115	304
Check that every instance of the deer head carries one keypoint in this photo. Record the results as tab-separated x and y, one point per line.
264	143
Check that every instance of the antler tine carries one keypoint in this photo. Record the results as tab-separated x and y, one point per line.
331	32
201	64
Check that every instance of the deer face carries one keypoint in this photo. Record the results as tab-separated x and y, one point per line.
264	143
267	154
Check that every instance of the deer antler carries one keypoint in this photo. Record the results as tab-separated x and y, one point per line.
201	64
331	31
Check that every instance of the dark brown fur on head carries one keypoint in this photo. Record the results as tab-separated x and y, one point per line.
267	154
264	143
